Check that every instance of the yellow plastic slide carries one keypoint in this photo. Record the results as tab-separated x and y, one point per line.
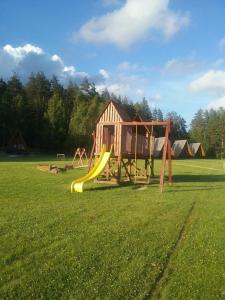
77	185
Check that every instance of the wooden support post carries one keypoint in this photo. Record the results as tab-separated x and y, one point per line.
126	169
152	162
164	157
135	155
92	150
108	170
169	162
129	167
119	170
146	168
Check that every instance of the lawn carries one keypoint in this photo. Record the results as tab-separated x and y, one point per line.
111	242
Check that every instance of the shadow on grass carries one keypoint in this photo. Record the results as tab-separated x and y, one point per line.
132	185
199	178
206	188
195	179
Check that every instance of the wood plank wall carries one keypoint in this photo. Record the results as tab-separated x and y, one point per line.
124	136
109	115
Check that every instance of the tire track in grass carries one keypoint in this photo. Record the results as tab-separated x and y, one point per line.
161	279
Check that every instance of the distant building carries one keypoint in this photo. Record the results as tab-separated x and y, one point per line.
197	150
181	149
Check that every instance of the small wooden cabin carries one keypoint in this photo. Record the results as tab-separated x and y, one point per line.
124	138
181	149
197	150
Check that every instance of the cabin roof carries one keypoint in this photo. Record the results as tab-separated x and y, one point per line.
195	147
178	147
158	146
122	112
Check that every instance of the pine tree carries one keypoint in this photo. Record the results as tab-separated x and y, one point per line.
38	93
56	122
178	129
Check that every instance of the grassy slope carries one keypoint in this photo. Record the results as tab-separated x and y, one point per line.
111	242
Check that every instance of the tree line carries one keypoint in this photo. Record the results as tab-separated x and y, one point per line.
52	117
208	127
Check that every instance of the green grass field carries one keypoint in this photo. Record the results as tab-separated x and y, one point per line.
111	242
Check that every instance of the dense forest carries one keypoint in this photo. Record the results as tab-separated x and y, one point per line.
53	117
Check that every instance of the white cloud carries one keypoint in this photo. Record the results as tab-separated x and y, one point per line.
178	66
119	89
222	43
104	73
212	81
134	21
140	92
28	58
216	104
128	80
55	57
18	53
72	72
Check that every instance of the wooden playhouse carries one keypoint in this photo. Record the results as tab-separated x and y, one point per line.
132	142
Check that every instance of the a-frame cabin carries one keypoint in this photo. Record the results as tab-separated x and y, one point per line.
181	149
197	150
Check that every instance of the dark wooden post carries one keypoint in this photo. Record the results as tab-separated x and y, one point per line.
164	156
119	170
146	169
169	155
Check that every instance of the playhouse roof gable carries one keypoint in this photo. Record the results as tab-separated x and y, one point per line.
113	112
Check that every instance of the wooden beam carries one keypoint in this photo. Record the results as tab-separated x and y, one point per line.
135	123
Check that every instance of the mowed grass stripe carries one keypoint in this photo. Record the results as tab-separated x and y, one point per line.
161	279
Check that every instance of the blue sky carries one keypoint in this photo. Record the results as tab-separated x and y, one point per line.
171	52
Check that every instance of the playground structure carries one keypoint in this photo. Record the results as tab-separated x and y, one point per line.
80	154
130	143
77	185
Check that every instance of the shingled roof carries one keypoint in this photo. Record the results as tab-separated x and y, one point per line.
121	111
